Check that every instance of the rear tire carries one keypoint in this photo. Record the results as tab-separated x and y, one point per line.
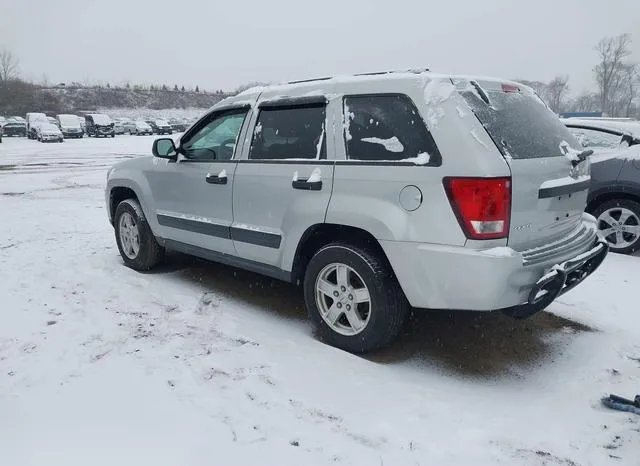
623	236
136	242
360	312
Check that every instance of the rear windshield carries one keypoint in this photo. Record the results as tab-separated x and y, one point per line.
520	125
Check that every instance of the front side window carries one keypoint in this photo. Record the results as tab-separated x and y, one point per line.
289	133
217	139
387	128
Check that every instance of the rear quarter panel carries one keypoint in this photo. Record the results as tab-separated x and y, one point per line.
367	197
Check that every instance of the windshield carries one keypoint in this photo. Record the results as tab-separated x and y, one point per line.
519	123
99	119
68	120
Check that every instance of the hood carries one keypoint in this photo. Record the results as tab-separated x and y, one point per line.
623	153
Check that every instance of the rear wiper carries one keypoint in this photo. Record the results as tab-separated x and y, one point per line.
481	92
582	156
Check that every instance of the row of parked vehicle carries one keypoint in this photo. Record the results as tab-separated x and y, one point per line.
45	128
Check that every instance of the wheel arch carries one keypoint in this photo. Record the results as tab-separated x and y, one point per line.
606	196
321	234
117	194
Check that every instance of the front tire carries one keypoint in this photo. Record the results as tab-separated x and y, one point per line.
619	223
136	243
353	298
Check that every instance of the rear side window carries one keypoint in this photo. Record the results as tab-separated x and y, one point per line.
521	126
387	128
289	133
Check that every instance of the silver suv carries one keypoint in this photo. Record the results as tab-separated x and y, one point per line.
376	193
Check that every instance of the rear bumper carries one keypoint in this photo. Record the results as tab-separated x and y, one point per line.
450	277
562	278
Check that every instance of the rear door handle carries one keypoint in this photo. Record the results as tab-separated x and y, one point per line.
307	185
220	178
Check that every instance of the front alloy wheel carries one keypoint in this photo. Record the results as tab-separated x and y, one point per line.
136	242
343	299
129	235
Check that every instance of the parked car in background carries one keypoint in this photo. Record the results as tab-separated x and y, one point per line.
604	134
13	127
1	132
118	127
178	124
98	124
163	126
70	126
129	126
141	127
32	120
347	210
153	125
614	197
48	132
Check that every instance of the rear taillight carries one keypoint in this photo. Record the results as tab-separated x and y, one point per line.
482	205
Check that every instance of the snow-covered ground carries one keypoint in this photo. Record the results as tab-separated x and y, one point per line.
202	364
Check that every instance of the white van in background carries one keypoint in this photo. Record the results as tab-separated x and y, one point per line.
32	119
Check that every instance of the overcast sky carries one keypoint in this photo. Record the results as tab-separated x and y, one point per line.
218	44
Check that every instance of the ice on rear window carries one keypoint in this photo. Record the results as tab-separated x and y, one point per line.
519	124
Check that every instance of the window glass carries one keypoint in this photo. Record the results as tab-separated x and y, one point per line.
592	138
519	123
217	139
289	133
389	128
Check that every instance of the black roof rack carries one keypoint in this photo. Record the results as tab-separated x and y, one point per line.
414	71
373	73
309	80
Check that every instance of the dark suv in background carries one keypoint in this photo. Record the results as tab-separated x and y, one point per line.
14	128
98	125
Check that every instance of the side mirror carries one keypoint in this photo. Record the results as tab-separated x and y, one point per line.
164	148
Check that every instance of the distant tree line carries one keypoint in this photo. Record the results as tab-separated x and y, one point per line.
19	96
617	91
617	84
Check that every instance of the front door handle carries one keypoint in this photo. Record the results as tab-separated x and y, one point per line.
307	185
220	178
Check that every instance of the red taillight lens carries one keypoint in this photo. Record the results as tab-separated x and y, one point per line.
482	205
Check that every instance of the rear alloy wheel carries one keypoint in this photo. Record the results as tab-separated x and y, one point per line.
619	223
353	298
136	242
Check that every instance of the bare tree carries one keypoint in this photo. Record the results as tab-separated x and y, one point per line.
8	66
556	91
611	51
586	102
628	89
